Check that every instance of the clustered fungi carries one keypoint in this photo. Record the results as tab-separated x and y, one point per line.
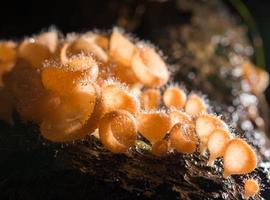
112	84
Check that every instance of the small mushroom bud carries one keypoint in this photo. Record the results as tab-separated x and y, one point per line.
239	158
183	138
150	99
205	125
178	116
161	148
154	126
174	97
251	188
195	105
217	143
149	67
121	49
118	131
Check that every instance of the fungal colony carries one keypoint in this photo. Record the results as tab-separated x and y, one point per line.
118	87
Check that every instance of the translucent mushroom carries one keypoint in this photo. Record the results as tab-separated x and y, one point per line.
217	143
63	79
205	125
154	126
195	105
49	39
149	67
88	46
34	52
174	97
121	49
181	117
183	138
66	121
116	96
118	131
251	188
8	56
239	158
150	99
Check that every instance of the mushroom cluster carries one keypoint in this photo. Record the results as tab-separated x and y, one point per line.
118	87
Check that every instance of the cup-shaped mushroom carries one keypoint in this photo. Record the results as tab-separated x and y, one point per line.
195	105
65	123
118	131
116	96
181	117
124	74
161	148
239	158
174	97
64	79
150	99
92	123
88	46
121	49
8	57
183	138
217	143
34	52
49	39
149	67
205	125
251	188
154	126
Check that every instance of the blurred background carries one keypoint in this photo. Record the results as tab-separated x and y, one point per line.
21	18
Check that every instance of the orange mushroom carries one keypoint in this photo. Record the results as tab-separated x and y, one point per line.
149	67
239	158
154	126
251	188
217	143
205	125
195	105
150	99
183	138
118	131
174	97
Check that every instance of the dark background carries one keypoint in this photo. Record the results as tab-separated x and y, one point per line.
21	18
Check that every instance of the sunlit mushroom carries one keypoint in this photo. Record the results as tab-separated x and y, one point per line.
174	97
183	138
118	131
149	67
121	49
239	158
117	96
217	143
154	126
205	125
66	121
150	99
181	117
195	105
